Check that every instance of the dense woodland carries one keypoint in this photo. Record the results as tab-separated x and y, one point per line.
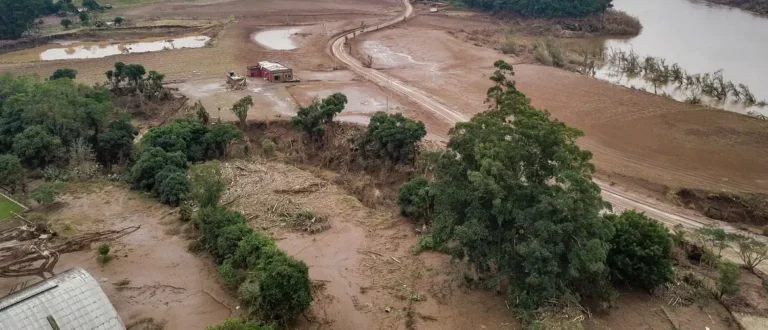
543	8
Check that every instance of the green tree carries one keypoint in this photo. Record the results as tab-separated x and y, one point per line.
202	113
516	198
37	148
229	239
538	8
66	23
119	20
641	251
240	324
64	73
250	250
751	251
212	221
207	183
240	108
152	161
84	17
11	173
311	120
728	278
181	135
171	186
16	17
91	4
393	136
416	200
45	194
280	290
116	143
219	137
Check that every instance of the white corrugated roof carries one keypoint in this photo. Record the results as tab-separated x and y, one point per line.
272	66
73	299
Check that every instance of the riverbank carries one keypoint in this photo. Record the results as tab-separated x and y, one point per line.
759	7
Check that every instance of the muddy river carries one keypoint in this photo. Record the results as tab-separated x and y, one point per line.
701	38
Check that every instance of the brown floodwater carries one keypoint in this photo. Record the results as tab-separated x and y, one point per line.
701	38
86	50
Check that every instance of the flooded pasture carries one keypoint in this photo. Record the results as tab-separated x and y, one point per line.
701	38
89	50
278	39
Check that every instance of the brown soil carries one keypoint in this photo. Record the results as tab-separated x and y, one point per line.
751	209
166	282
632	134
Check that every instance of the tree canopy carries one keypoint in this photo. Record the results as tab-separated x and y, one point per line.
641	251
311	120
64	72
543	8
393	136
11	173
16	17
515	197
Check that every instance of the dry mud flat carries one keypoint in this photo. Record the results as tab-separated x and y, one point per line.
637	138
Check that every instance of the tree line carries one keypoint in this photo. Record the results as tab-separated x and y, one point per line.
543	8
19	16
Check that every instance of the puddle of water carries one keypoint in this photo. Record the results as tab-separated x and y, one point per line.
279	39
86	50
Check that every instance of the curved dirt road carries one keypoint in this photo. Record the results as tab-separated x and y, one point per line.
620	199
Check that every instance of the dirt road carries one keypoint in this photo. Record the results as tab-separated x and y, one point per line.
621	199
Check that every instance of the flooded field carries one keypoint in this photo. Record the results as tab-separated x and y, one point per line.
701	38
279	39
88	50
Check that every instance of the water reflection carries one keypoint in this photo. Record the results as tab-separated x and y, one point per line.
81	51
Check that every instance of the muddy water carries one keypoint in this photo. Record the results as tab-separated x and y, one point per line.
279	39
86	50
701	38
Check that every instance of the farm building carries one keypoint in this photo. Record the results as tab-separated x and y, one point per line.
70	300
271	71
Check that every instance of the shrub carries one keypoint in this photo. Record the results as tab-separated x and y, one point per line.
207	183
541	54
103	256
641	250
250	249
311	120
152	161
45	194
229	239
119	20
240	324
728	278
280	290
240	108
186	212
393	136
232	278
172	186
509	45
555	53
416	199
64	73
268	147
751	251
425	243
104	249
212	220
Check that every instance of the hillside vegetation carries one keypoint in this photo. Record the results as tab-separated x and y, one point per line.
543	8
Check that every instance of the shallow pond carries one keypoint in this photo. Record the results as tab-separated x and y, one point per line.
86	50
278	39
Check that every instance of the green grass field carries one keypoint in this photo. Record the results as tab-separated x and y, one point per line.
7	206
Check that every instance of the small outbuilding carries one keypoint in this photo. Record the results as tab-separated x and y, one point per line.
271	71
72	299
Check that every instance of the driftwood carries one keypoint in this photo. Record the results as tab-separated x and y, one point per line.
39	257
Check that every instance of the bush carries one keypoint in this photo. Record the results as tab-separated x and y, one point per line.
541	54
416	199
280	290
240	324
268	147
728	278
45	194
186	212
212	220
509	45
11	173
641	250
232	278
425	243
104	249
250	249
555	53
103	256
229	240
64	73
152	161
393	136
172	186
119	20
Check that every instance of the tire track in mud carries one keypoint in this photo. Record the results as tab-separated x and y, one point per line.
623	199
